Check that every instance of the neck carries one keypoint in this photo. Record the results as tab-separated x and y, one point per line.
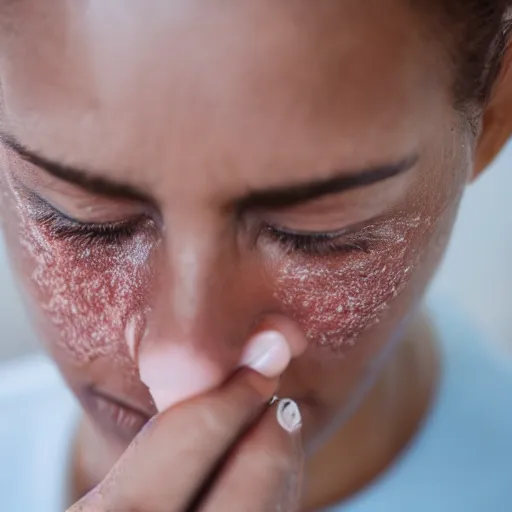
382	426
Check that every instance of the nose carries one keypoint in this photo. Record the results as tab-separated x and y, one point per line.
213	312
174	373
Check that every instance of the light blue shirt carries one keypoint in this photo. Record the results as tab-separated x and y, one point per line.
460	460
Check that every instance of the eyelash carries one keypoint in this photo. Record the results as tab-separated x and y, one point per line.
321	244
62	227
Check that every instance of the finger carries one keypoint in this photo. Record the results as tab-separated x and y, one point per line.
175	373
264	472
159	473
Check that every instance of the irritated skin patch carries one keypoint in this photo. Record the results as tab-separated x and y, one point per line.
336	298
94	295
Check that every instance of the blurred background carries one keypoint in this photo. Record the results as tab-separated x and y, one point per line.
477	272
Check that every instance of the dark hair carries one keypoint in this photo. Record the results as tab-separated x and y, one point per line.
479	33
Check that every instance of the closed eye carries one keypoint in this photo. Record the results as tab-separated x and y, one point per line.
62	227
320	243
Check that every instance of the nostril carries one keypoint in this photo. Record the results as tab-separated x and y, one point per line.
268	353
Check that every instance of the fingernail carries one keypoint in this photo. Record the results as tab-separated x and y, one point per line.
288	415
268	353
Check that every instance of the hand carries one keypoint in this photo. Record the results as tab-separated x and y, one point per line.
225	450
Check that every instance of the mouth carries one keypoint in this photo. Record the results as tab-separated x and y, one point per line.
120	417
116	416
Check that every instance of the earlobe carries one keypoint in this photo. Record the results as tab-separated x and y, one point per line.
497	118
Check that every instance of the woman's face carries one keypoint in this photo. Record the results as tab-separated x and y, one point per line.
179	170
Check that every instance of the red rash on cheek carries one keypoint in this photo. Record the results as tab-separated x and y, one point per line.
94	295
336	298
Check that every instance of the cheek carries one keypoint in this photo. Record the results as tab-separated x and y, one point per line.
336	298
92	299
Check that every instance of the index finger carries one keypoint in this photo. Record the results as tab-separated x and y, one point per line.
158	472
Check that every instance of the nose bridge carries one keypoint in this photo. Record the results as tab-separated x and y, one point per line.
207	303
191	267
196	302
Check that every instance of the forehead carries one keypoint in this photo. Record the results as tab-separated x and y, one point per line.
184	87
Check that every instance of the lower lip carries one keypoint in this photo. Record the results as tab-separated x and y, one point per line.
114	417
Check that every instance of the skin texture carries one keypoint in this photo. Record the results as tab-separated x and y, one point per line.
195	104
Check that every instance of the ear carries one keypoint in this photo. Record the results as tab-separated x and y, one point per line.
496	126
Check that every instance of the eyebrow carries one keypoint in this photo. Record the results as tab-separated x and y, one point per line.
271	198
337	182
80	177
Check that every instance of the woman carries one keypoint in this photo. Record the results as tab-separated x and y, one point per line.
209	204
